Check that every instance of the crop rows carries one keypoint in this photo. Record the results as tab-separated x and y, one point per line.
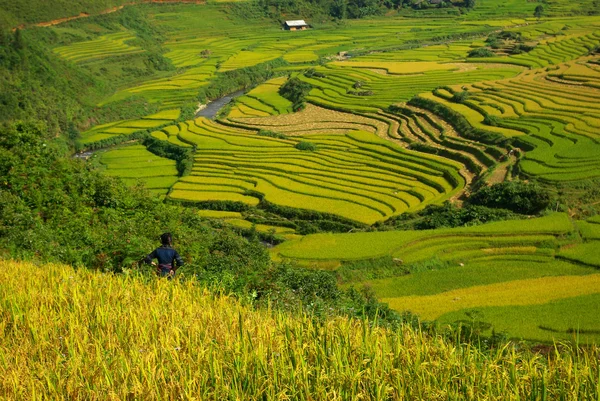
264	100
551	51
403	244
110	45
380	90
134	164
559	124
357	175
492	267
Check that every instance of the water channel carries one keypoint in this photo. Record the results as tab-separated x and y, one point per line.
212	108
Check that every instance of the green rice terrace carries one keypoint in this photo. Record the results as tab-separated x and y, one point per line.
351	134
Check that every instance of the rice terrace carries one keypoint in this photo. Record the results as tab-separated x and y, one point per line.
395	199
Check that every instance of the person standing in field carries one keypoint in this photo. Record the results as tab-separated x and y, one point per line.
168	258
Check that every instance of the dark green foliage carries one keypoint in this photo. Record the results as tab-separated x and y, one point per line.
312	73
26	69
458	121
295	91
57	209
518	196
307	146
322	10
446	216
272	134
539	11
339	9
521	48
289	287
183	156
481	52
243	78
460	97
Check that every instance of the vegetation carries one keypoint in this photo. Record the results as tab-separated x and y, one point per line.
440	158
514	195
218	347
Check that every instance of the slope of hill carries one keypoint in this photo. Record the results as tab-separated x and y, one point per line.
75	334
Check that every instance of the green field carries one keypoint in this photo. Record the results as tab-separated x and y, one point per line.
357	176
400	115
489	269
136	165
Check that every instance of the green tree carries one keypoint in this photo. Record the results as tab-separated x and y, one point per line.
539	11
470	3
339	9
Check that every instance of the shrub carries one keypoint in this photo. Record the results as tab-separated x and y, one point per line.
460	97
310	73
481	52
295	91
305	145
447	216
521	48
271	134
517	196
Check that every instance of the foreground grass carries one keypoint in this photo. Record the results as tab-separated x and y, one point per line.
82	335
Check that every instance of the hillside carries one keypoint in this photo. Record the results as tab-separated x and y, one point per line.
78	334
423	164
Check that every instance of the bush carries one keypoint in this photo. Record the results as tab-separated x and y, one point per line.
271	134
447	216
518	196
460	97
521	48
295	91
310	73
481	52
305	145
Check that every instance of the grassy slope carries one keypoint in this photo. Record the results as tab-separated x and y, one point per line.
35	11
81	334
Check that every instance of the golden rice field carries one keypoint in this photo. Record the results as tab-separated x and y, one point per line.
76	334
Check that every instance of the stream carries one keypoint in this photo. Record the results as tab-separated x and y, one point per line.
212	108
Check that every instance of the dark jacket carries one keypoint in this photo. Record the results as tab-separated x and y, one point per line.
168	258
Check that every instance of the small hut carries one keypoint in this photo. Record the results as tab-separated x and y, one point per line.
297	25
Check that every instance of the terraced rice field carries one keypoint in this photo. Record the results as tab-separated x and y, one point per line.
379	155
264	100
110	45
134	164
128	127
487	273
356	175
557	125
335	89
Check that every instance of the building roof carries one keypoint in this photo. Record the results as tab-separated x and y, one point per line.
299	22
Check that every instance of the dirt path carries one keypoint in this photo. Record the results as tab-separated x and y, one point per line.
501	171
107	11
